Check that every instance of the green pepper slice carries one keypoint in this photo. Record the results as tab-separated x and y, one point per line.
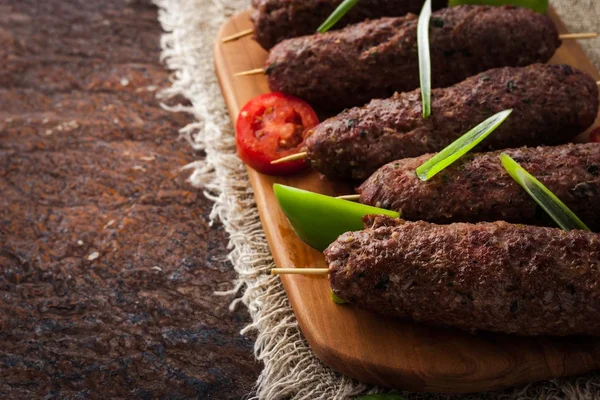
336	299
318	219
540	6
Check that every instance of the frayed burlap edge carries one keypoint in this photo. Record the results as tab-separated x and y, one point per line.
291	370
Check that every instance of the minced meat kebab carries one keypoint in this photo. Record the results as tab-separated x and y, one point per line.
551	105
517	279
373	59
276	20
477	188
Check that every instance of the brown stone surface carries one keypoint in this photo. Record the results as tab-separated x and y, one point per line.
107	262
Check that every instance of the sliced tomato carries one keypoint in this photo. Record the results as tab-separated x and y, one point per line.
272	126
595	135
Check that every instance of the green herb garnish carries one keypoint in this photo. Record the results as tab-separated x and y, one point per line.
425	57
540	6
558	211
336	15
336	299
461	146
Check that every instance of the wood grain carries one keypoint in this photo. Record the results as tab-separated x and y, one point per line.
372	348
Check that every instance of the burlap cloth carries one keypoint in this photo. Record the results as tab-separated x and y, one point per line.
291	370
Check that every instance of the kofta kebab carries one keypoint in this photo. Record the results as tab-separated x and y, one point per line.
374	59
276	20
551	105
496	275
478	188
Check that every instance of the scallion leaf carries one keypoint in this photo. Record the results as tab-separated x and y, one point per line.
424	57
461	146
336	15
560	213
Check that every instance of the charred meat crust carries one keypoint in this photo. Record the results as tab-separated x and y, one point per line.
373	59
477	187
499	277
276	20
551	105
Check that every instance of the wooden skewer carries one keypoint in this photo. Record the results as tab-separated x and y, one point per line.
350	197
585	35
300	271
293	157
565	36
302	155
256	71
259	71
237	35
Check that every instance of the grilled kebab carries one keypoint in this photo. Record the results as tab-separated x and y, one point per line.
375	58
551	105
275	20
517	279
477	188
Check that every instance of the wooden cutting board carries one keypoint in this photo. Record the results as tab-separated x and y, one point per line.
372	348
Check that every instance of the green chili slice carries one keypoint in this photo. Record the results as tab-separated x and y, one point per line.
424	57
461	146
540	6
318	219
560	213
336	299
336	15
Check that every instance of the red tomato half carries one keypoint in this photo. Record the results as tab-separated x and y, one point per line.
595	135
272	126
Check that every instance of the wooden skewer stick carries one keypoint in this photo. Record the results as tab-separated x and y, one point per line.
350	197
237	35
564	36
257	71
585	35
293	157
300	271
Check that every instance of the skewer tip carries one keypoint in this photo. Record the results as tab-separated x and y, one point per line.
350	197
584	35
257	71
293	157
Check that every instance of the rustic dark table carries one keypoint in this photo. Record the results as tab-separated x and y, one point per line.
107	261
